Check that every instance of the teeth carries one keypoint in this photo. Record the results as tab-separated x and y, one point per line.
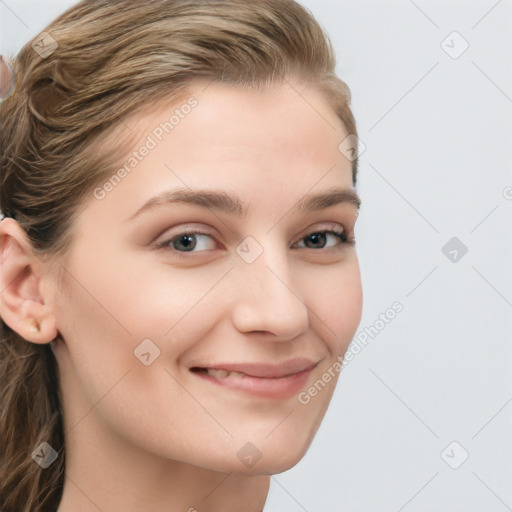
223	374
219	374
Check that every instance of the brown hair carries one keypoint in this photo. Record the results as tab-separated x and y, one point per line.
113	58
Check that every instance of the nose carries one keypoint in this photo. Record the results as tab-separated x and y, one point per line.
265	300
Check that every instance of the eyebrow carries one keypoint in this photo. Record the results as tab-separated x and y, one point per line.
221	201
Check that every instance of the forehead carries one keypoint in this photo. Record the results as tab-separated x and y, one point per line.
279	116
272	142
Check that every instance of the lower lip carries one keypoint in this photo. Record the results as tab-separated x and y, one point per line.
281	388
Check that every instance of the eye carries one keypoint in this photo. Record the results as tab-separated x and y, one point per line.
191	241
194	241
325	239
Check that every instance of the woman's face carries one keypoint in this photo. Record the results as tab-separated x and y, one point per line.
238	264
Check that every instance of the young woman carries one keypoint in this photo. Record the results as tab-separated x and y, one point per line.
179	278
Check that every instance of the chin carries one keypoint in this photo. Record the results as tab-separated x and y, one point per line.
268	458
272	465
280	455
279	466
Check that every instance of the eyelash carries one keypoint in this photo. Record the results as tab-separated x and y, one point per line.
340	234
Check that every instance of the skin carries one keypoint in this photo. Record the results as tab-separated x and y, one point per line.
158	437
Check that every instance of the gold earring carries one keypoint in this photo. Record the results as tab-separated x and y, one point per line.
34	328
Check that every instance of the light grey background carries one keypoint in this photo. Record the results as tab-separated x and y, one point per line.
437	164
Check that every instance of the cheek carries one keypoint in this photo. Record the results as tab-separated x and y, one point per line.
335	298
345	310
97	349
175	307
108	307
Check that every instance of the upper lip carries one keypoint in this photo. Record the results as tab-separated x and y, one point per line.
263	370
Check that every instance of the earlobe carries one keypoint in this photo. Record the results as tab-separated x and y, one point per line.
38	322
23	304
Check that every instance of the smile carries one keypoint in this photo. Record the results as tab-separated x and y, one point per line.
267	381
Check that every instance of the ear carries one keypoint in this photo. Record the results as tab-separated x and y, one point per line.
25	301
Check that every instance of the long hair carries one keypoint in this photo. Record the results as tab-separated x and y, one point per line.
99	62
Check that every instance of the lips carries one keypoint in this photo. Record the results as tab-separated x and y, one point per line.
258	370
277	381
